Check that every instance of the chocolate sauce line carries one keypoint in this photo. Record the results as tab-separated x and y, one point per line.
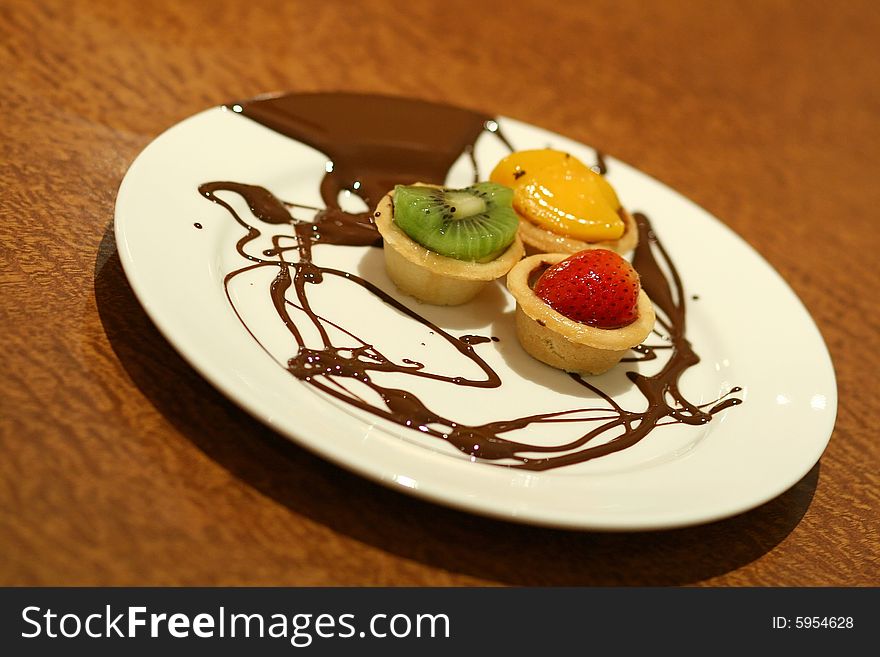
477	339
350	232
646	351
378	142
472	156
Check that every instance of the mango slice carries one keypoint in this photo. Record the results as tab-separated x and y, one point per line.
512	168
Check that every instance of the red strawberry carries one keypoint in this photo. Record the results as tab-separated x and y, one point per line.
595	287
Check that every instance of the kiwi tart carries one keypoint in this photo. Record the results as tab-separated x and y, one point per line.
566	207
565	343
443	245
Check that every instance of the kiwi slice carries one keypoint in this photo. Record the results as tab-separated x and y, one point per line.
476	223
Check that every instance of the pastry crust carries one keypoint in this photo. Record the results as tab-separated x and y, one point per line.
541	240
429	276
563	343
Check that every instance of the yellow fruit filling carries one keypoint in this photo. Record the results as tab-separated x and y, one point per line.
510	170
556	191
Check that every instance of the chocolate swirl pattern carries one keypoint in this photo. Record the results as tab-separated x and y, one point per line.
373	143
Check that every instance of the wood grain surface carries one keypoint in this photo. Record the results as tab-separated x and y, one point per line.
120	465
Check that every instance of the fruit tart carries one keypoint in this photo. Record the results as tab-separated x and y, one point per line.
444	245
579	313
566	207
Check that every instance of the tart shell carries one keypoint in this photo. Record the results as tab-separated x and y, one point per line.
563	343
429	276
541	240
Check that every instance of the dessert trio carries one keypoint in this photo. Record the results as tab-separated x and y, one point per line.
584	312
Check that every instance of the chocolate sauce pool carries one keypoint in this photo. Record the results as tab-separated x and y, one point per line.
373	143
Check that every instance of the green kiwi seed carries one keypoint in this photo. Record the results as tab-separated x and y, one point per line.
476	223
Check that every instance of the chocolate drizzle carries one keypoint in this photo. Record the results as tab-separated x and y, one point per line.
600	167
477	339
372	144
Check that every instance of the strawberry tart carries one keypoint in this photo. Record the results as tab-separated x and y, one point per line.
582	312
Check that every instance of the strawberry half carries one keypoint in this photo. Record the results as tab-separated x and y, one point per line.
594	287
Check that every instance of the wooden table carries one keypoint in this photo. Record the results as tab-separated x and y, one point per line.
122	466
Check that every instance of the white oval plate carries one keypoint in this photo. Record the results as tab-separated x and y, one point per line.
747	325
